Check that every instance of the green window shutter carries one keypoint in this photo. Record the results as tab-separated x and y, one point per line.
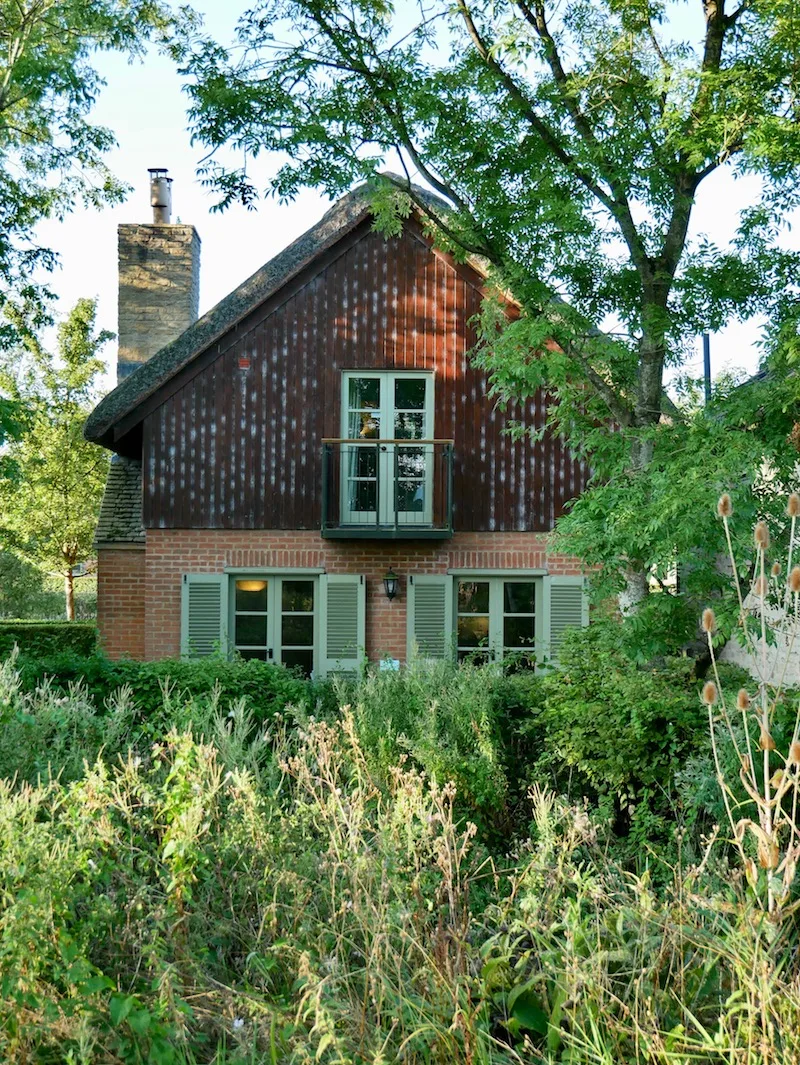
343	622
430	616
204	613
567	608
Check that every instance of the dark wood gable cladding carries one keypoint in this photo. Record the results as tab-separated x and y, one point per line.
237	442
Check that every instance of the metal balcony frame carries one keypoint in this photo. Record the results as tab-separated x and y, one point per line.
378	531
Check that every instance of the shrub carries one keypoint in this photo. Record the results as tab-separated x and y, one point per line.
39	639
446	721
265	688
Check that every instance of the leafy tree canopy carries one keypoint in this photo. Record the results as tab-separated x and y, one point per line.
51	153
568	142
49	508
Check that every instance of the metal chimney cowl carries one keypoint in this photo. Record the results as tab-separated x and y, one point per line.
160	195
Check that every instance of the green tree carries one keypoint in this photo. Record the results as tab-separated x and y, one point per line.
50	506
51	152
567	143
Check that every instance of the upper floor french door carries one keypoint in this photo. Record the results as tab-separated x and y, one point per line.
386	481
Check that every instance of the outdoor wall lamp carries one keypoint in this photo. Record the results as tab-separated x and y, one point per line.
390	583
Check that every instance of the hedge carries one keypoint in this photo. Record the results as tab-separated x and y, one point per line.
37	639
267	688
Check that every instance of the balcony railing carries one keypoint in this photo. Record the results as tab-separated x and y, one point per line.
394	489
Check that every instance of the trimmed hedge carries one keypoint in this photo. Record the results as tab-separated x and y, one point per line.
267	688
38	639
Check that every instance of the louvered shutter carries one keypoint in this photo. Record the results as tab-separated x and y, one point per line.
343	623
204	615
430	616
568	609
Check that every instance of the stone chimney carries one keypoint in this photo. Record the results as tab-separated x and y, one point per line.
159	280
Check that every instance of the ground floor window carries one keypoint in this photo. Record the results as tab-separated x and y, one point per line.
496	618
275	619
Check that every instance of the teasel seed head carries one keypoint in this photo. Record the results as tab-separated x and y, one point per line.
776	569
743	700
760	587
709	693
724	506
765	741
761	535
708	620
794	753
793	505
794	580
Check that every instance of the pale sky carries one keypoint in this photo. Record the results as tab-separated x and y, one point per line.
145	107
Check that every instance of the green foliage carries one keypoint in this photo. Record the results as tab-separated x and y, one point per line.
446	722
229	893
264	688
741	443
51	153
50	508
25	592
40	639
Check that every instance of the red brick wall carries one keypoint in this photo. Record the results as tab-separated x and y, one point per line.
120	601
173	552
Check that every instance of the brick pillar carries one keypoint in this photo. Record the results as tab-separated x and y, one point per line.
159	289
121	601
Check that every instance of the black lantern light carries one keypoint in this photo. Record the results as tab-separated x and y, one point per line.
390	582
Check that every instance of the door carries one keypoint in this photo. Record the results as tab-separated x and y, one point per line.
274	619
386	481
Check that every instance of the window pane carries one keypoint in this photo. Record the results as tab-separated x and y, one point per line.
409	426
363	496
249	653
518	632
364	426
473	597
251	595
297	629
251	629
409	393
363	461
297	595
519	597
477	658
411	461
411	496
473	631
299	659
364	392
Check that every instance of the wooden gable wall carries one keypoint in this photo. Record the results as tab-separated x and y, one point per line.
237	444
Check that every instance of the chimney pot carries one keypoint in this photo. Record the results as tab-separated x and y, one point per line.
160	194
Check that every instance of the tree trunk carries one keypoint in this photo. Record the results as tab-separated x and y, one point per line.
647	412
69	594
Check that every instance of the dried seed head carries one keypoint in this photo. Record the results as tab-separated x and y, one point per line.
776	569
777	778
765	741
708	620
768	855
724	506
761	535
760	587
793	505
709	693
794	753
794	579
746	763
743	700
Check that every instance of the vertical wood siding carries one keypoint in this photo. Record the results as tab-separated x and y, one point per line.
238	445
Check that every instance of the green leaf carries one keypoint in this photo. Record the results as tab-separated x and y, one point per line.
120	1006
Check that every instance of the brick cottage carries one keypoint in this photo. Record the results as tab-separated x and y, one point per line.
312	472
